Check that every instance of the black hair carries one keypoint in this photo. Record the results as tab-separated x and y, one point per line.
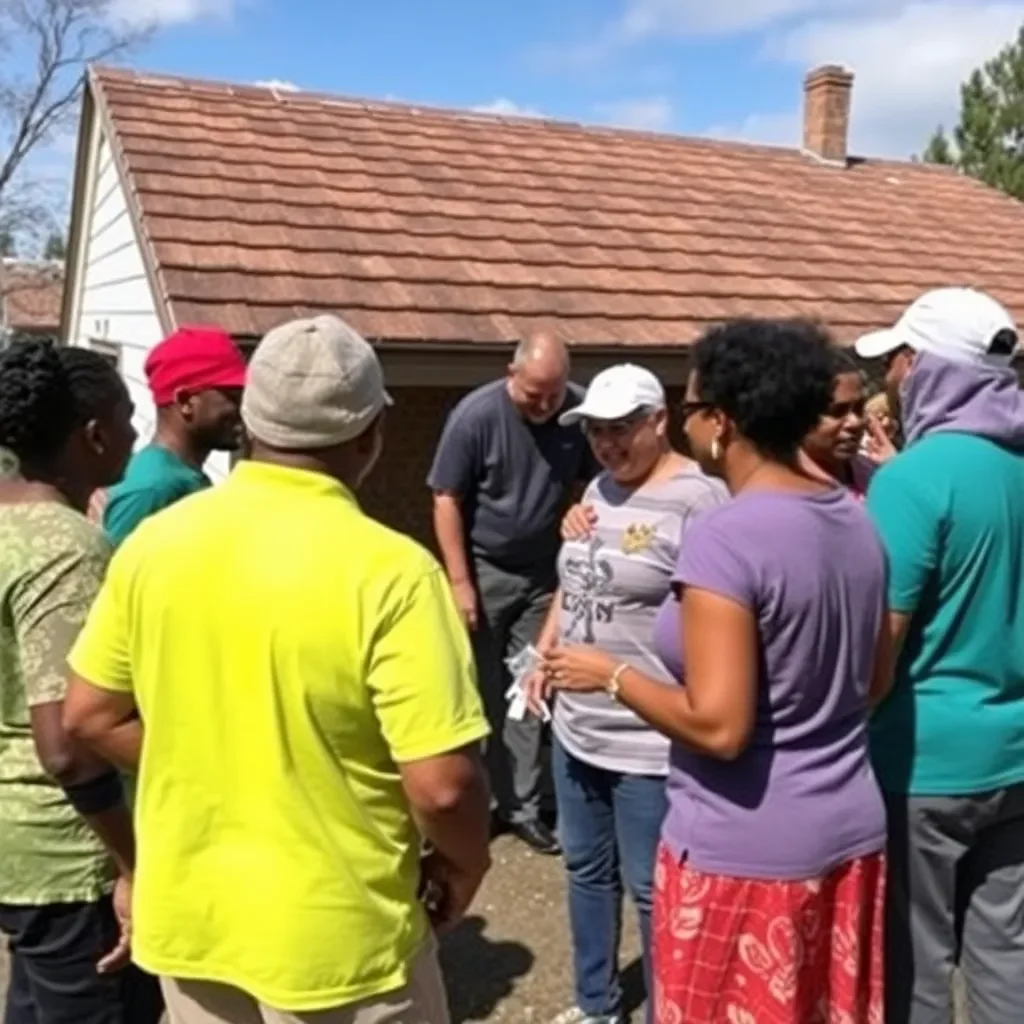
37	406
772	378
45	393
95	384
843	361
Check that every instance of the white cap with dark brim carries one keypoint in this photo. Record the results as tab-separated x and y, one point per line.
962	325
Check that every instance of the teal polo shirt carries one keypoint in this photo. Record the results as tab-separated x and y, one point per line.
155	479
950	512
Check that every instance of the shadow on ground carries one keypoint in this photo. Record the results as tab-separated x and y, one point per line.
634	993
495	968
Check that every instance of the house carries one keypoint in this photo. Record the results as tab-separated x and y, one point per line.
445	236
31	294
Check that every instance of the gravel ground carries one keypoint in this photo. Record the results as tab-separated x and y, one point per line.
510	960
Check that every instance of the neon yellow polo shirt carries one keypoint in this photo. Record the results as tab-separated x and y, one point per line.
285	651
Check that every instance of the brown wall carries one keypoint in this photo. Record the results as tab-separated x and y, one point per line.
397	491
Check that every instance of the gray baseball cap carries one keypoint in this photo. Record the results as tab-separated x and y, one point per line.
313	384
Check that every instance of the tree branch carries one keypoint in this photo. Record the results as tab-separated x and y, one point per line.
59	38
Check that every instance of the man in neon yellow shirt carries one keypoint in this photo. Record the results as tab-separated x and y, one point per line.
309	700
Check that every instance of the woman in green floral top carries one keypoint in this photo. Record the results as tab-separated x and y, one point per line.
65	429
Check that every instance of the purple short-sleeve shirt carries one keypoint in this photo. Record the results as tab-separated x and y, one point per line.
802	798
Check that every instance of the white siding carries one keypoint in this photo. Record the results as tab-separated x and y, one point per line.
115	303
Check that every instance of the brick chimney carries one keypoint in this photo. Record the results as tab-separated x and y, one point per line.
827	94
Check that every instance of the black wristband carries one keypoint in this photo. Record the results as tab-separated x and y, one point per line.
97	795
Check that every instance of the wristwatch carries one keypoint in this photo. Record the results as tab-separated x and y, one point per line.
615	682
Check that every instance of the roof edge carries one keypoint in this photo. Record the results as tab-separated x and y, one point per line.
478	348
162	301
74	252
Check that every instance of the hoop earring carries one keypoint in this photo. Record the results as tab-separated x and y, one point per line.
716	449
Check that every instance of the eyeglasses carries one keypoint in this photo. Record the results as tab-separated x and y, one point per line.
688	409
614	428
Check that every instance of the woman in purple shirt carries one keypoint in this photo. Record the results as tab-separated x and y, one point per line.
769	884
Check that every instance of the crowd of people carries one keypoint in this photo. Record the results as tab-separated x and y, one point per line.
255	745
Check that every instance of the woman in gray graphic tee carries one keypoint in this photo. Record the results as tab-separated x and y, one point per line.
609	766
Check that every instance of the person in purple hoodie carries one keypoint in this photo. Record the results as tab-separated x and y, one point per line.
769	880
948	743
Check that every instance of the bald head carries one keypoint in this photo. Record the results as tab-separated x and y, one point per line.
538	375
544	350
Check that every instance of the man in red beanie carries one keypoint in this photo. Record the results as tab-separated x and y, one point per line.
196	378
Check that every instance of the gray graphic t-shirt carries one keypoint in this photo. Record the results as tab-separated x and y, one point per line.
612	586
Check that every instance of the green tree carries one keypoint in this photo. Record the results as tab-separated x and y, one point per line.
990	134
939	150
56	247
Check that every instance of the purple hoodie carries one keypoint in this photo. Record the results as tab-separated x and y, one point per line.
942	396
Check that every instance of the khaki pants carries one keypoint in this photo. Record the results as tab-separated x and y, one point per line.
422	1001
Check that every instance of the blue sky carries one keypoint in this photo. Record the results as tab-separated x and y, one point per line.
730	68
526	56
726	68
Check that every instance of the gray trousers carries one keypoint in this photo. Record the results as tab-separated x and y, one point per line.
513	607
421	1001
955	896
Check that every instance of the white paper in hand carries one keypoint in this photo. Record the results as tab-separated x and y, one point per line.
521	666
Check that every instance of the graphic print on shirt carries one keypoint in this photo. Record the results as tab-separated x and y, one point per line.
638	537
587	580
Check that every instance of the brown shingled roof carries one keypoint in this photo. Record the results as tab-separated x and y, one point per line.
31	296
427	225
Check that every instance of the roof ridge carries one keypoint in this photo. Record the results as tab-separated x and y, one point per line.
372	105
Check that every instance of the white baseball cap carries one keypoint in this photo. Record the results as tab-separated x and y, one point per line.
958	324
616	393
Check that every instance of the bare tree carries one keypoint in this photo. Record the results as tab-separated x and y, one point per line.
45	46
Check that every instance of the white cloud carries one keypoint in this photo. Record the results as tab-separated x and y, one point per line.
651	113
641	21
782	129
909	56
506	108
280	84
908	63
644	19
160	13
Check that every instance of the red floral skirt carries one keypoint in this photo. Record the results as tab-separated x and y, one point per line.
747	951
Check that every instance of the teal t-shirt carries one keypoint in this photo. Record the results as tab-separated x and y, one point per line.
950	512
155	478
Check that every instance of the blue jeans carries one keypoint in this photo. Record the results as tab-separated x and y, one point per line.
609	825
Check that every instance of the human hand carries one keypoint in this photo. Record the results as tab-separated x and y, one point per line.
466	601
448	889
579	522
120	956
537	690
878	446
581	669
